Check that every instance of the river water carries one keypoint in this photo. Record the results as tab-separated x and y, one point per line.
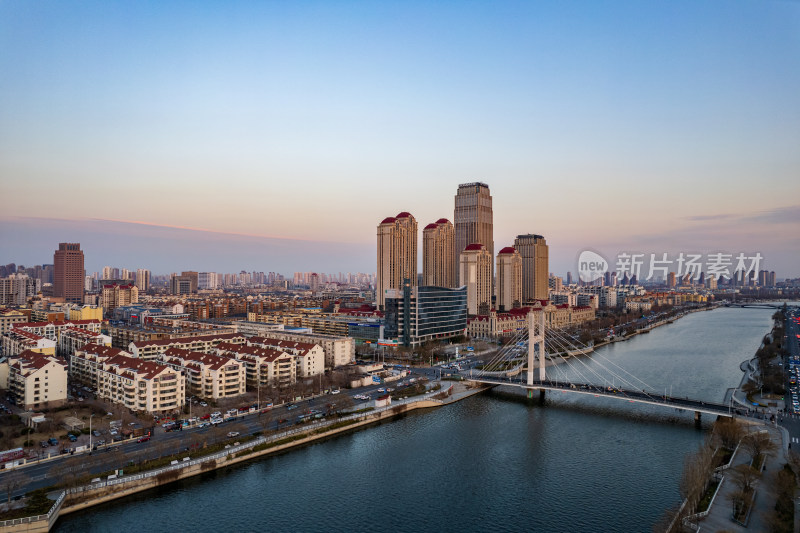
491	462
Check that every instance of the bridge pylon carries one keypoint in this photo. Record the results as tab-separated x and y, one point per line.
536	332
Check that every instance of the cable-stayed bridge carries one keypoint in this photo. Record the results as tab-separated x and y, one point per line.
514	365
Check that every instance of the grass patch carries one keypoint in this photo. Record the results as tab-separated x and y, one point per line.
38	504
705	501
722	457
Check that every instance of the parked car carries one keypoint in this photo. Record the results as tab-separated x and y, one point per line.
53	441
232	434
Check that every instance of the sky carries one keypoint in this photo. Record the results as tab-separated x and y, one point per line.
275	136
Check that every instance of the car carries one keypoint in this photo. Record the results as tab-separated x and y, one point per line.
335	391
53	441
204	424
96	433
72	437
44	444
232	434
144	438
203	404
291	406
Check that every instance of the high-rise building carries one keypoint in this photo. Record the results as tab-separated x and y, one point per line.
68	272
397	254
142	279
534	252
476	273
107	274
473	220
508	287
671	280
438	254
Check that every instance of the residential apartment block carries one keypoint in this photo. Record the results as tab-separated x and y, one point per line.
151	349
207	375
36	380
141	385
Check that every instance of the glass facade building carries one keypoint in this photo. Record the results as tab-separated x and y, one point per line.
419	314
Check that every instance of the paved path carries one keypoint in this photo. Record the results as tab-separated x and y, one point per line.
719	518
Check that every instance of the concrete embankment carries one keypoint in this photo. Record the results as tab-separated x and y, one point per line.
99	493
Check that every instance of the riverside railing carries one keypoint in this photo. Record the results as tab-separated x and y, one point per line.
251	444
30	519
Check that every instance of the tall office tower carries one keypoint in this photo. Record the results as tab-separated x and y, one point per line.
142	279
68	272
772	281
671	282
476	273
397	254
508	288
473	220
534	252
438	255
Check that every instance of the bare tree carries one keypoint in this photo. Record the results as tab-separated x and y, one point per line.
744	477
697	469
728	432
11	483
757	444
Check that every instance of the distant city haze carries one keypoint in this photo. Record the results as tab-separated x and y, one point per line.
275	137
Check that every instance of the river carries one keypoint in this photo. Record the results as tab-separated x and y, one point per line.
491	462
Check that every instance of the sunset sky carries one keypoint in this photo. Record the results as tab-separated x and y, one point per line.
275	136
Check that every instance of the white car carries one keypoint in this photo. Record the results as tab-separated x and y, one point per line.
232	434
335	391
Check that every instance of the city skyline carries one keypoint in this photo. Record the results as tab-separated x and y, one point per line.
274	137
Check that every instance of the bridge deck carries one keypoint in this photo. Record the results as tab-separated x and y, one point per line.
637	396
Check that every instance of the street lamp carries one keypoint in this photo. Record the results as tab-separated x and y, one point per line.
90	432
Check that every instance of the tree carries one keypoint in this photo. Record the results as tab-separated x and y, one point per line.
697	468
757	444
728	432
744	477
11	483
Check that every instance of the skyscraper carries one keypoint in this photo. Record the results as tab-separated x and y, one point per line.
68	272
143	280
438	255
475	272
508	289
473	220
534	252
397	254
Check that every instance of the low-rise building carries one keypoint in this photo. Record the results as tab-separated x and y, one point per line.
264	366
72	339
309	357
338	350
17	341
208	375
150	350
9	317
36	380
84	362
140	385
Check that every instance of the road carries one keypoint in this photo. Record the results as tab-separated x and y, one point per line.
163	443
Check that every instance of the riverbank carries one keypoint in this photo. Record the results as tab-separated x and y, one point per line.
80	498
